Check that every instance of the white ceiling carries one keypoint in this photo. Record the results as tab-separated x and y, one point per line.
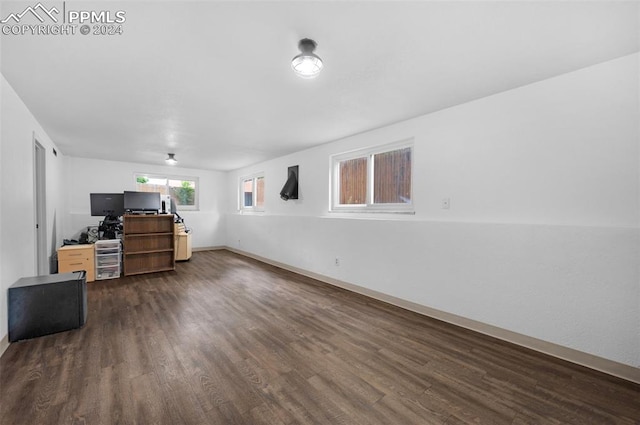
211	81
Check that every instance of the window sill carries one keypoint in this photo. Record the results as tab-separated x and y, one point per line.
371	211
370	215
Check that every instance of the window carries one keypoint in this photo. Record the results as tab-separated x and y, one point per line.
377	179
182	190
252	193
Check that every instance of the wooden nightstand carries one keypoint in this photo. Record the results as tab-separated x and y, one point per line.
73	258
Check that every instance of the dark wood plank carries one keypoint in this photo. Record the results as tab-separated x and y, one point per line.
228	340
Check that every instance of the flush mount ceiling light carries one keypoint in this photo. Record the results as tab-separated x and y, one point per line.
171	160
307	64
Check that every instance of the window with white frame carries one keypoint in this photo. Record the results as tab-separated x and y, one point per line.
252	193
181	190
375	179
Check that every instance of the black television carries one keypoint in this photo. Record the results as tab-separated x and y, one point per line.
141	202
107	204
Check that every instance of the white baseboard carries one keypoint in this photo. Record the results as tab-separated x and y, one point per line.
209	248
4	344
591	361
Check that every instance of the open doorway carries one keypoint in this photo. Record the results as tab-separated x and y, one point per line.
40	191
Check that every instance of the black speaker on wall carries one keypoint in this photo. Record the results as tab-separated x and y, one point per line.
290	188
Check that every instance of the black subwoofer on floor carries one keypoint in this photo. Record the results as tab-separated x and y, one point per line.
42	305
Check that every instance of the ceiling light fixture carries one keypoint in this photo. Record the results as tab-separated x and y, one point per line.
171	160
307	64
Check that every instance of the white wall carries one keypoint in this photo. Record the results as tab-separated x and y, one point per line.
17	215
3	298
543	234
93	175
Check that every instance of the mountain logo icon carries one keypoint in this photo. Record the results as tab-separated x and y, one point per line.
38	10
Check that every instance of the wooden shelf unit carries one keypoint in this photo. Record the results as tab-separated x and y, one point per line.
148	244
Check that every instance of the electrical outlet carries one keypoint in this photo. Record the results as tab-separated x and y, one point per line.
446	203
337	262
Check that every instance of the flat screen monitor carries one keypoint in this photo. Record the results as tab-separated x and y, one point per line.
107	204
141	201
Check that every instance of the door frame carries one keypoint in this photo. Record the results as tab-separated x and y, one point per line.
40	206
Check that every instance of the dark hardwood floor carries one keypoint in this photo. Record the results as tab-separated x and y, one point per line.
228	340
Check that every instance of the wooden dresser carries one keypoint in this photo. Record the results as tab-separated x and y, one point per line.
73	258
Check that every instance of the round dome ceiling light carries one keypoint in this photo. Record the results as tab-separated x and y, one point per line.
171	160
307	64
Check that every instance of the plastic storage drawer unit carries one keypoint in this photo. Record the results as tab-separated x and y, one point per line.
108	259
